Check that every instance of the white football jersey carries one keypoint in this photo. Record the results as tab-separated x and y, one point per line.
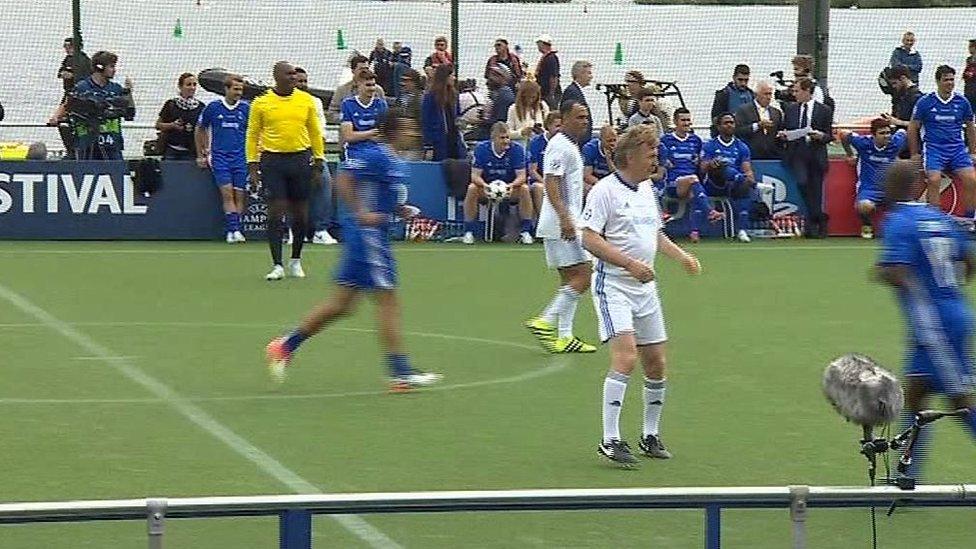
627	216
562	158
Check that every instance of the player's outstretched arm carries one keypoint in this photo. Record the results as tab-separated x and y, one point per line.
599	247
667	247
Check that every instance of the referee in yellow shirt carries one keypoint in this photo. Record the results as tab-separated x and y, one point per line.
285	154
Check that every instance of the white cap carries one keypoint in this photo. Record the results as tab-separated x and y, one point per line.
544	38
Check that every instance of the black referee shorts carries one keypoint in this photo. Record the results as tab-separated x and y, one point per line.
286	175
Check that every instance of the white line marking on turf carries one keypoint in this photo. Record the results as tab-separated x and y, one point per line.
553	366
103	358
356	525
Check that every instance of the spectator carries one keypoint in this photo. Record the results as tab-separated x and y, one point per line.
735	94
728	165
528	115
441	56
71	71
439	112
808	126
627	102
498	159
905	94
646	103
320	203
906	55
103	141
402	61
598	157
582	76
875	154
504	56
803	68
178	120
757	124
1	112
411	94
381	60
500	94
357	63
547	72
969	75
536	153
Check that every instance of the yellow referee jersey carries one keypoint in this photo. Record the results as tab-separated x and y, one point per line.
284	124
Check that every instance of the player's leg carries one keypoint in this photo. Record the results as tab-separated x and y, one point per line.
299	188
575	280
615	321
568	258
690	188
742	194
967	176
865	209
403	377
280	350
238	181
273	181
231	216
523	197
472	197
651	339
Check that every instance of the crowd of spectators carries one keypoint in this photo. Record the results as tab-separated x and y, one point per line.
789	120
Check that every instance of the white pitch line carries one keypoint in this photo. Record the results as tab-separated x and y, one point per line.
354	524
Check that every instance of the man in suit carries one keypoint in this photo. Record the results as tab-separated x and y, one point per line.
807	130
757	124
582	76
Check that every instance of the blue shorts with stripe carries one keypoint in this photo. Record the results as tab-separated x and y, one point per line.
367	261
229	171
946	159
941	346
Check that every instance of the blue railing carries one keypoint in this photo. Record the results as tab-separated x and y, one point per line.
295	511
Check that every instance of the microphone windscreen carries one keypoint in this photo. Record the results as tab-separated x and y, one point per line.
862	391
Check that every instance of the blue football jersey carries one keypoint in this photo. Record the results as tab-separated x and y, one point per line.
537	151
593	157
501	167
380	175
228	128
683	155
942	121
733	153
363	117
872	162
930	244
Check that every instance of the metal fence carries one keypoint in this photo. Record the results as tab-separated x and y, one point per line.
295	511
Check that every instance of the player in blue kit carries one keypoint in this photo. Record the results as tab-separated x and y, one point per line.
498	159
926	257
370	183
598	156
360	113
728	163
875	153
536	154
939	118
220	136
683	149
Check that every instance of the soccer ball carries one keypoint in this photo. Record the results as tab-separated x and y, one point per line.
496	191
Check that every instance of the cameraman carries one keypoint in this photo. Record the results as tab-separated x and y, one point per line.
98	135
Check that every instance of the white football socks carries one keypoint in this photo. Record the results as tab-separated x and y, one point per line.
653	403
614	387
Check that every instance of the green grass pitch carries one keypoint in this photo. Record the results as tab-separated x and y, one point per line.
749	340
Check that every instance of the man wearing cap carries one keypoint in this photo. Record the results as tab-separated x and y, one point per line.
969	75
504	56
547	72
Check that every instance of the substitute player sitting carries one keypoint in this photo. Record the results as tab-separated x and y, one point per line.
683	150
370	185
559	229
927	258
598	156
220	136
498	159
728	164
875	153
940	117
622	228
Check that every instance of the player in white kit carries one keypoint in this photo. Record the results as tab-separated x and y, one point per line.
562	168
622	228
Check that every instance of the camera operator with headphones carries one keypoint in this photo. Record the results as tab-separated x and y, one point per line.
96	108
